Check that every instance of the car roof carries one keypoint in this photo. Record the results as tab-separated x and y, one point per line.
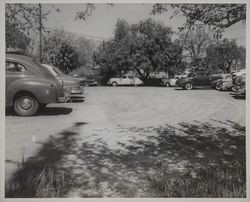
19	57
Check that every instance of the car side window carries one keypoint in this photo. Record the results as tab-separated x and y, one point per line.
123	77
14	67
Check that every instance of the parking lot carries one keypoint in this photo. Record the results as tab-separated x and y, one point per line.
95	139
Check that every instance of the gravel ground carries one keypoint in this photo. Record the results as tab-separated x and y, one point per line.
101	132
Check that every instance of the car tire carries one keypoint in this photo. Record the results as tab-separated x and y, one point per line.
218	86
167	84
25	104
188	86
114	84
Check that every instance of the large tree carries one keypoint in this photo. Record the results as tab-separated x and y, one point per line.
225	56
82	47
144	47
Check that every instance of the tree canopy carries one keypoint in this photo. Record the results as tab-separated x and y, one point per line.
59	44
144	47
196	42
225	56
218	15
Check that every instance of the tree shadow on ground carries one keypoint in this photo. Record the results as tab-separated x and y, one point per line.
96	170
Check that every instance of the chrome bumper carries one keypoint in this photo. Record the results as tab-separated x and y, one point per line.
65	98
78	90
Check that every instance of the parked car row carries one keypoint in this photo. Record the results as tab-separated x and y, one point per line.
30	86
234	81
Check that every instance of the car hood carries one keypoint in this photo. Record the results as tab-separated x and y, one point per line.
67	80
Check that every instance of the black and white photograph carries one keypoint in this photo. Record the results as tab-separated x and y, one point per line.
125	100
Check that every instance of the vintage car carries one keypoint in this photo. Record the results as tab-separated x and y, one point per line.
69	82
125	81
223	76
197	79
172	82
225	83
30	86
85	80
240	84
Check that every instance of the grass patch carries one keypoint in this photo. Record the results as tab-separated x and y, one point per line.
39	182
216	181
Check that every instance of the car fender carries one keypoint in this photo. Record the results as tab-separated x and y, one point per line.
45	91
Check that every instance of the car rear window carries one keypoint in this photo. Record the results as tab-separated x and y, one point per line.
14	67
44	71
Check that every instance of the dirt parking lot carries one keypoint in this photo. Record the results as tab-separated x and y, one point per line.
115	137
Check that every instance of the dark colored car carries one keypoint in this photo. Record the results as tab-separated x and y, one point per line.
197	79
240	84
69	82
29	86
85	80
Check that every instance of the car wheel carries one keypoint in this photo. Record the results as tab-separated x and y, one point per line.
218	86
188	86
114	84
233	89
167	84
25	105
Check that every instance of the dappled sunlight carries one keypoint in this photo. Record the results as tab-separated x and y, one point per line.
97	170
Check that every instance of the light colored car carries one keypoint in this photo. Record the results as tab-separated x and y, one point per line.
125	81
69	82
225	84
172	82
29	86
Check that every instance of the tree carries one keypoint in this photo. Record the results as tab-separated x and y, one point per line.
218	15
121	29
196	42
52	43
225	56
67	58
143	47
15	39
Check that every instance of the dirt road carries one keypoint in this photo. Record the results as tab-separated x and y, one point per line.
103	141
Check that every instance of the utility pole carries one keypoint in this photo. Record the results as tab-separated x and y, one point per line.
217	36
40	33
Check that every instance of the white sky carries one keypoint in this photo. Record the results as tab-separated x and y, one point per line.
100	25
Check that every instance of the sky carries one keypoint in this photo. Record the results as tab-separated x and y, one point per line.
100	25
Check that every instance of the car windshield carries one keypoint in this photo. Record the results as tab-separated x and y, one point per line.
58	71
51	69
